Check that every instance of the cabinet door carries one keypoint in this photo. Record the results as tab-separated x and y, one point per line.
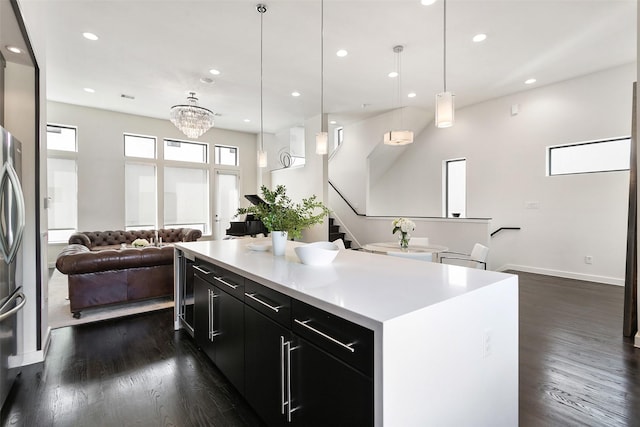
264	366
326	391
203	297
228	341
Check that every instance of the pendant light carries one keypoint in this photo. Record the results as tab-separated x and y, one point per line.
444	100
398	137
322	137
190	118
262	155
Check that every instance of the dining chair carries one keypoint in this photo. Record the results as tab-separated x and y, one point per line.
476	259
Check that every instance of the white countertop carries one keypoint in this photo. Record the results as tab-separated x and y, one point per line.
366	288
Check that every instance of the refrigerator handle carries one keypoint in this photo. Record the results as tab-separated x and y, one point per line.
10	176
14	310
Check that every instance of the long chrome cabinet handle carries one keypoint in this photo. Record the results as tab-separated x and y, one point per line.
253	297
201	270
212	332
290	409
322	334
282	374
224	282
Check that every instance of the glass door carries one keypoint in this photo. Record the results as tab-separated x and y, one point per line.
227	200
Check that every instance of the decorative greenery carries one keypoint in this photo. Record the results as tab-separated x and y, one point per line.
279	213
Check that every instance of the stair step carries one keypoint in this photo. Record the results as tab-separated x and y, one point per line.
335	236
334	228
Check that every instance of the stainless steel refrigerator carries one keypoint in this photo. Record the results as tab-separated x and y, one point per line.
12	222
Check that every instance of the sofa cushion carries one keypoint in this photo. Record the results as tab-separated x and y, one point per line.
77	259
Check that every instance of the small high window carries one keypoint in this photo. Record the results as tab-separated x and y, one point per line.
184	151
456	187
139	146
588	157
62	138
224	155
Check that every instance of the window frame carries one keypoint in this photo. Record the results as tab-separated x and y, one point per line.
135	135
222	165
207	154
446	164
550	149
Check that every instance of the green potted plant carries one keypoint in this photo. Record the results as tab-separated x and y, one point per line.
284	218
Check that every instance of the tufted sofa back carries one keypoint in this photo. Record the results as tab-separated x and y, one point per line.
103	239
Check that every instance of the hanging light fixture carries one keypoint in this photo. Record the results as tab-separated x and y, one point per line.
444	100
322	137
262	155
398	137
190	118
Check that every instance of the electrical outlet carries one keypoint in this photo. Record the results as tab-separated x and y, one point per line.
588	259
486	343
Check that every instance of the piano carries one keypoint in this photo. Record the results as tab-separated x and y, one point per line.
250	226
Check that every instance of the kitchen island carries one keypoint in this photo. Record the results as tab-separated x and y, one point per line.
369	339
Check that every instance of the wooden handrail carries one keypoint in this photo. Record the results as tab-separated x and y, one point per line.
504	228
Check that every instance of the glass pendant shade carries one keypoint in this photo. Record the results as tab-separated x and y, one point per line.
398	137
444	110
322	143
191	119
262	159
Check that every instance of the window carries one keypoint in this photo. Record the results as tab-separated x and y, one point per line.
139	146
62	179
227	156
140	196
61	138
185	151
456	187
587	157
186	198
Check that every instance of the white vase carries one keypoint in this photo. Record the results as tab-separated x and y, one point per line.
278	242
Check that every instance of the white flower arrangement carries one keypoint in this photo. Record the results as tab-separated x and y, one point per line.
404	225
140	243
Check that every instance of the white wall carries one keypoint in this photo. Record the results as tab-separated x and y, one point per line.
303	182
101	159
578	215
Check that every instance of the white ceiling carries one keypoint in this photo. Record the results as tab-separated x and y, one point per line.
158	50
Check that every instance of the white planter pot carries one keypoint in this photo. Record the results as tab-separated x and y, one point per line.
278	242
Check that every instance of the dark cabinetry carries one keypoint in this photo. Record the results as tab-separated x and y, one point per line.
301	366
219	320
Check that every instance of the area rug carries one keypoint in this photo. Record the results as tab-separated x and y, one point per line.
60	314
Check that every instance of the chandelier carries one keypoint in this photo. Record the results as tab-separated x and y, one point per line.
191	119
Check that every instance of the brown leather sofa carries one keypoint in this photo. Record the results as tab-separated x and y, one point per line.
101	240
99	272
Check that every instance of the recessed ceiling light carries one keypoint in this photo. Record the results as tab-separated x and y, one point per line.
14	49
412	95
214	72
206	80
90	36
393	74
332	122
89	90
427	2
296	94
247	120
479	38
342	53
530	81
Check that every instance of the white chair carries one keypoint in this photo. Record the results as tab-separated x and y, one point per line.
419	241
476	259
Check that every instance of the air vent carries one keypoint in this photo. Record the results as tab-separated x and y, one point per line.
125	96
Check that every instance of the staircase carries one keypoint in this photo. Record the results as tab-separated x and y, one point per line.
335	233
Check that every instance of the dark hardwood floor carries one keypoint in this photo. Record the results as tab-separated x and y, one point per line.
575	369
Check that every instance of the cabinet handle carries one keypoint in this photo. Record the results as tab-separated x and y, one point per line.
253	297
224	282
282	374
322	334
201	270
212	332
290	409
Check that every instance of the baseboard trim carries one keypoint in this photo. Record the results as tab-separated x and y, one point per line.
636	342
565	274
38	356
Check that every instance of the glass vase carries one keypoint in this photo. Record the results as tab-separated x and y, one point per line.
404	240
